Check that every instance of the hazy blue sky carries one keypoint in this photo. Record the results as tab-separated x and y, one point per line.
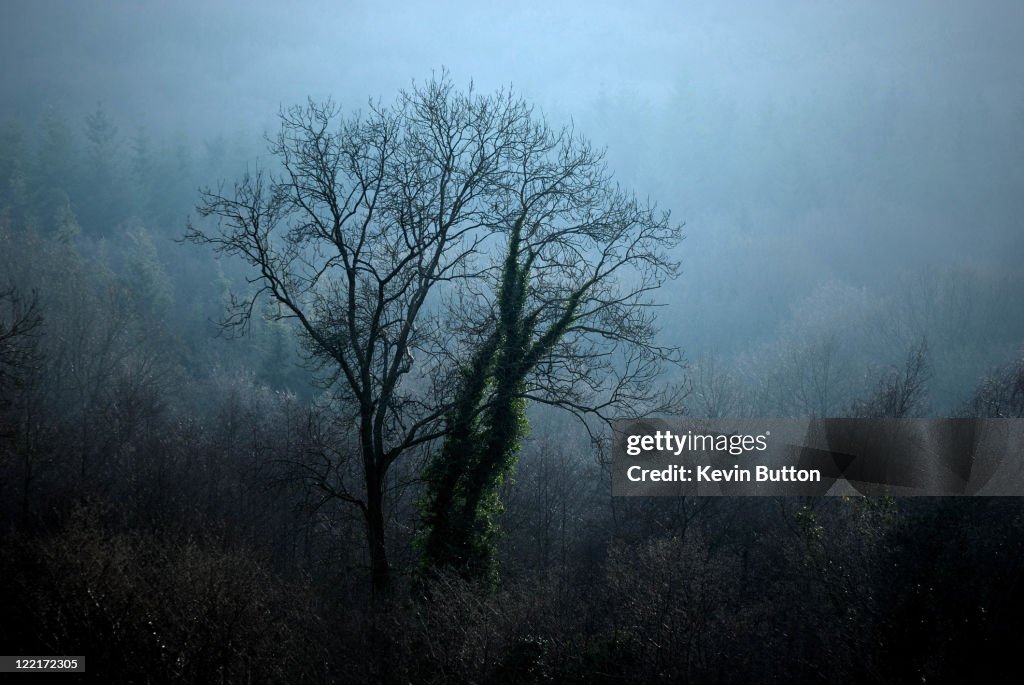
801	141
216	60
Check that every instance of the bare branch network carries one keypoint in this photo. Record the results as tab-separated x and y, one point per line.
382	236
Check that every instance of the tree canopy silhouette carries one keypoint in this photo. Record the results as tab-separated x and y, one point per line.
449	226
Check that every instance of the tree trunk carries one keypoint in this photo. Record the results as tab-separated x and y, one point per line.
380	570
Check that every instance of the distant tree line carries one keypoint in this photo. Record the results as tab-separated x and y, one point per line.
178	506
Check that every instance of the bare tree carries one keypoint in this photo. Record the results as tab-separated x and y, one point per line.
1000	394
366	217
568	321
377	237
716	389
900	393
20	321
20	357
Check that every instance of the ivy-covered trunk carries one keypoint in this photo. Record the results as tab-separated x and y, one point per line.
485	426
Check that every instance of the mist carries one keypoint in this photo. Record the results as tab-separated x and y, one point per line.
848	181
802	143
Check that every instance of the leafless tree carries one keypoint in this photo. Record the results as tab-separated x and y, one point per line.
377	236
1000	394
20	320
716	390
900	393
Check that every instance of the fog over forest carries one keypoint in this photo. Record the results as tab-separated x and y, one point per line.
804	144
272	492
